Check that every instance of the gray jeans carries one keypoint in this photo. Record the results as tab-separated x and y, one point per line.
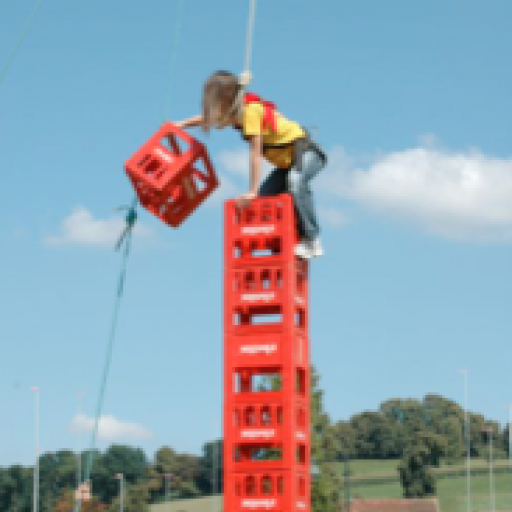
297	183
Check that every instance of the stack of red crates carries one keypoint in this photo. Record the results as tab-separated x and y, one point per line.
266	361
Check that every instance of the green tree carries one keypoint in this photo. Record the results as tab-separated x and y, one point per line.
377	436
131	462
135	499
345	436
505	440
57	471
415	469
16	489
325	485
211	468
184	470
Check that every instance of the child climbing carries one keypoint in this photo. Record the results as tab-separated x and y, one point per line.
284	143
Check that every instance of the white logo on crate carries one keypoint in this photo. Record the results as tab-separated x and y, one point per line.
163	155
301	505
258	434
300	435
256	349
268	504
255	297
258	230
299	300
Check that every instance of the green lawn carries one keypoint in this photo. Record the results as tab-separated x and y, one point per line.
198	505
451	490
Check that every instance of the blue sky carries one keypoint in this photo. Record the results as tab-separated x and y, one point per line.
412	101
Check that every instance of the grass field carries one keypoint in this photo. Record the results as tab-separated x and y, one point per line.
379	479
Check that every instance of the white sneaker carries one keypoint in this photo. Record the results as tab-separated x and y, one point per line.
315	248
303	250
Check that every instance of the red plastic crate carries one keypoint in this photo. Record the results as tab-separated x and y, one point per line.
260	234
265	352
266	298
268	491
265	421
171	174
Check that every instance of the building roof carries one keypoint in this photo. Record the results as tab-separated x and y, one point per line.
402	505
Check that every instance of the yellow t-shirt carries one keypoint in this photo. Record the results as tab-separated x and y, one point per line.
277	145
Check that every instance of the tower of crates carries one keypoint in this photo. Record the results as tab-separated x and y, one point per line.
266	361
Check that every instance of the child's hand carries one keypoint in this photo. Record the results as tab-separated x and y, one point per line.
245	199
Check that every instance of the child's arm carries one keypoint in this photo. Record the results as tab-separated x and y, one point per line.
190	122
255	171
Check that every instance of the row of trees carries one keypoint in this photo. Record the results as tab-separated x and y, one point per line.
146	481
418	433
388	432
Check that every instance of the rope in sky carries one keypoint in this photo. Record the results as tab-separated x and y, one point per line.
126	239
21	37
249	36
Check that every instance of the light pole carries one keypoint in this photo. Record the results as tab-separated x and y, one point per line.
167	477
510	435
347	481
35	390
492	495
214	474
464	373
79	454
120	477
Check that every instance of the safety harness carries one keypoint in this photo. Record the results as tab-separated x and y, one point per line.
269	108
269	121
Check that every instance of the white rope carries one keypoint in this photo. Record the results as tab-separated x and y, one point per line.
248	42
245	77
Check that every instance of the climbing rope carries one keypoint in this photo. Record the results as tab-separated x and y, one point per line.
246	76
19	41
249	38
124	240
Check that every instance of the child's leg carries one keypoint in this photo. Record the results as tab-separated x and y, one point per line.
274	184
298	185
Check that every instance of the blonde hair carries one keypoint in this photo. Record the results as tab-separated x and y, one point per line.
219	95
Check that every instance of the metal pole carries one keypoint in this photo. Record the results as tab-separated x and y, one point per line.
492	498
491	475
35	390
510	436
347	483
214	474
464	372
79	454
120	477
167	477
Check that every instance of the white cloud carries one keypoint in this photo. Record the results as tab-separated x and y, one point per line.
81	228
110	428
465	195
